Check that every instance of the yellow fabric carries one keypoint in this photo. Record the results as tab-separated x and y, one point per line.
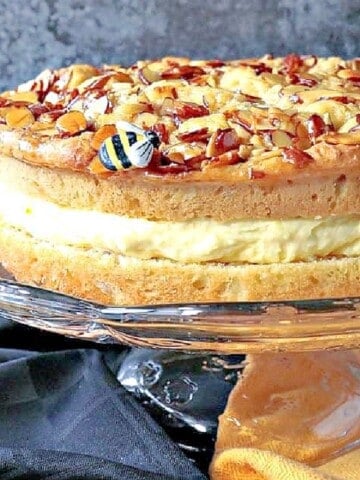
304	406
287	414
253	464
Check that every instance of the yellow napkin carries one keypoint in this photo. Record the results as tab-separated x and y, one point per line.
292	408
252	464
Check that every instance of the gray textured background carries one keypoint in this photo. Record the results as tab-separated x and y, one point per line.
35	34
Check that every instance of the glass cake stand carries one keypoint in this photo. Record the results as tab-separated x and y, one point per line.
223	328
195	353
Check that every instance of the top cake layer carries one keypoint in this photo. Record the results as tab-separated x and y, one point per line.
261	123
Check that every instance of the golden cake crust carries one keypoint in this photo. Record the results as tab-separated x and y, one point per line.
113	279
336	193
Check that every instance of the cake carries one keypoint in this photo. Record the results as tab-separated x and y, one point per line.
249	190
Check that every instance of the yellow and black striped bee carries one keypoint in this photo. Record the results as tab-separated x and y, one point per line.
131	147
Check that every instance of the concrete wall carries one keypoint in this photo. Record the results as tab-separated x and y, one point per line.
35	34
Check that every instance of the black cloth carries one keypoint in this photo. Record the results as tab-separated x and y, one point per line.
63	415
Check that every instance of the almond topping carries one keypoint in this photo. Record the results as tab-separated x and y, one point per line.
102	134
281	138
71	123
222	141
19	117
229	158
297	157
347	73
148	76
29	97
352	138
182	71
316	126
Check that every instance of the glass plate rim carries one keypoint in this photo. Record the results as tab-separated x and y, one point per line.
221	327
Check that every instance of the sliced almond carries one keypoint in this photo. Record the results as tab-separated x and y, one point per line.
80	73
352	123
29	97
301	140
229	158
176	157
71	123
298	158
98	106
148	76
102	134
41	126
346	73
222	141
146	119
245	151
352	138
19	117
281	138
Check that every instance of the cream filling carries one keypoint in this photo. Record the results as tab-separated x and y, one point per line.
200	240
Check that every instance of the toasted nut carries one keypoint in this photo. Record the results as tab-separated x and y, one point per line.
176	157
281	138
229	158
352	138
352	124
97	107
148	76
121	77
245	151
71	122
222	141
102	134
40	126
80	73
348	73
302	139
297	157
19	117
29	97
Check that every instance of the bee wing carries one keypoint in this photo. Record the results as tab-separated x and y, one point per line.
140	153
128	127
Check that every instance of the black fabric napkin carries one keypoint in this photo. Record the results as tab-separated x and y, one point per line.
63	415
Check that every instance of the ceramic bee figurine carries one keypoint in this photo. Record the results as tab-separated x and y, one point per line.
130	147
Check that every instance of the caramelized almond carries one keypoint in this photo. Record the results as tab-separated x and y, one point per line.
229	158
176	157
102	134
121	77
200	135
292	63
28	97
222	141
71	123
148	76
352	138
19	117
297	157
347	73
316	126
281	138
182	71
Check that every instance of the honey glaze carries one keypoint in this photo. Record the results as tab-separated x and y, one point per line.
305	406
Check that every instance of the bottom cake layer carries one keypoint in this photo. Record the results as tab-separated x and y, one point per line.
110	278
